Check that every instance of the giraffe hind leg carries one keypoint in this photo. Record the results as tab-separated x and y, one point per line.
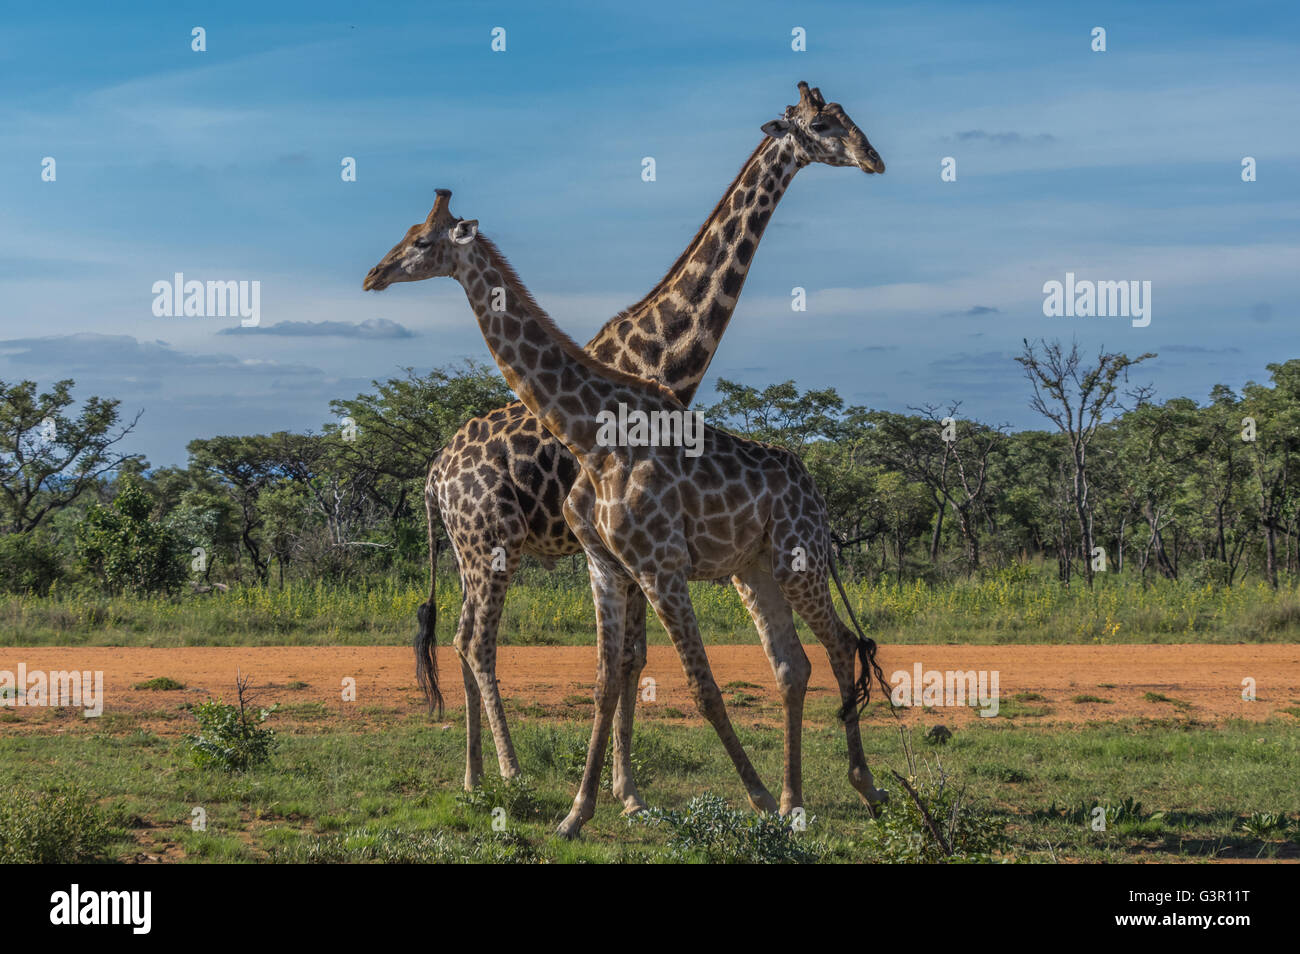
476	644
771	613
808	592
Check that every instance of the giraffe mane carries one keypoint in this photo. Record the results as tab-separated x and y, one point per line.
567	344
691	245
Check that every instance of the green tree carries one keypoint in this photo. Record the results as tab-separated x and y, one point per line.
1078	398
129	551
49	457
779	414
1275	452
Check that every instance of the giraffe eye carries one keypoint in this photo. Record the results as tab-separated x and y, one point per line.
818	126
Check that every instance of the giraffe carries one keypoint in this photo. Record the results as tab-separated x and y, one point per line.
654	517
500	482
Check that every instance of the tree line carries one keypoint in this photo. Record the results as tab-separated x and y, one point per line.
1114	482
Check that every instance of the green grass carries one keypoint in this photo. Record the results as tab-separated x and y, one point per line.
1017	605
335	793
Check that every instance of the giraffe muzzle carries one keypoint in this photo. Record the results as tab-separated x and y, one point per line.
376	279
870	162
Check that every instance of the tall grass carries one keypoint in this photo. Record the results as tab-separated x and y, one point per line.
1011	606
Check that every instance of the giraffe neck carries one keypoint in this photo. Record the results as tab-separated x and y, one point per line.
672	334
562	386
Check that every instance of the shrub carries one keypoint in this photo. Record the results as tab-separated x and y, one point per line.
160	684
709	830
61	826
28	564
1265	825
1129	811
518	797
231	737
900	835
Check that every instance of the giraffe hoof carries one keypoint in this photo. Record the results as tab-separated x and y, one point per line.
763	803
633	806
570	827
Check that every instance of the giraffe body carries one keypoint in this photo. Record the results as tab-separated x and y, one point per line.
651	518
502	480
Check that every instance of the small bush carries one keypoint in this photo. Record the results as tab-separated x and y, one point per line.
517	797
710	831
231	737
1266	825
160	684
900	834
1129	811
61	826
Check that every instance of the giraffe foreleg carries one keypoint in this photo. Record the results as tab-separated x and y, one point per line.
668	594
609	591
633	662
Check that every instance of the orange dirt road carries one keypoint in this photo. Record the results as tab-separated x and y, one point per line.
1202	682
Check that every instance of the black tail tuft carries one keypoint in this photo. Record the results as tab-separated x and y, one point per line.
426	655
866	657
426	638
862	686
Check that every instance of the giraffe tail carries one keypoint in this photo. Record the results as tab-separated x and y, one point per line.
866	656
426	638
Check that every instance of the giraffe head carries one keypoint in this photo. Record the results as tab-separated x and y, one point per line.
823	132
429	250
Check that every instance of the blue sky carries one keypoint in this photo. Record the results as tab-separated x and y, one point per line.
225	165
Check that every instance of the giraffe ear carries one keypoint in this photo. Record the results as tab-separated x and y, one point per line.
463	232
776	128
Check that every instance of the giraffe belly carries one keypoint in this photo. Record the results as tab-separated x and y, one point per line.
552	547
718	557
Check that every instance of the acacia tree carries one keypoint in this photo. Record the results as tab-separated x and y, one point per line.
951	458
1273	436
970	446
244	467
1029	498
1078	399
779	414
395	433
48	457
1161	443
1224	478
